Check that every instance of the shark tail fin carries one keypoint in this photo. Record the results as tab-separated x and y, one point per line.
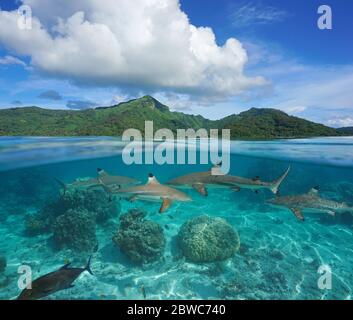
62	184
276	184
88	266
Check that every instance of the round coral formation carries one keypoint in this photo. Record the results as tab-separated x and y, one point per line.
75	230
206	239
141	240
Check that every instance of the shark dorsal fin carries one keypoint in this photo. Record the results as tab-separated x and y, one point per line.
152	179
314	191
217	165
101	172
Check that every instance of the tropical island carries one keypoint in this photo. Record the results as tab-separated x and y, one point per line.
264	123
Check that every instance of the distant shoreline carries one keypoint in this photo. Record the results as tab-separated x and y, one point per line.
254	124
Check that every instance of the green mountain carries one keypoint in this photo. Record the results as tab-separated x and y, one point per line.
346	131
271	123
112	121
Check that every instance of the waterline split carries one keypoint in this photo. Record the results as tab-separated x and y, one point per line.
142	149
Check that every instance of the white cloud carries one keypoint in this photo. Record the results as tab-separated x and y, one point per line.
325	88
341	122
148	44
252	13
8	60
321	93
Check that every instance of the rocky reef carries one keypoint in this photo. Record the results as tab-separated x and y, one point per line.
95	201
75	230
206	239
141	240
72	219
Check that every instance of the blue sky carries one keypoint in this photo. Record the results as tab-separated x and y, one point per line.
181	55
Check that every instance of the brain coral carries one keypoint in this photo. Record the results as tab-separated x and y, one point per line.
206	239
141	240
75	230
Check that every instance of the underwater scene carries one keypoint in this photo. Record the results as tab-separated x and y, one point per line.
271	229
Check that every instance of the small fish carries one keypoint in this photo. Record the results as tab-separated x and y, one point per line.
170	216
53	282
167	227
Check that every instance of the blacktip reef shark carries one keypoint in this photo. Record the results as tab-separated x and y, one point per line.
310	201
151	191
200	181
102	178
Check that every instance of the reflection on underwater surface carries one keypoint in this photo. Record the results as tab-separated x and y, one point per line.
278	257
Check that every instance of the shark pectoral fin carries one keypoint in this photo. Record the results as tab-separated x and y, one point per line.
165	205
297	212
201	189
257	178
236	189
331	213
133	199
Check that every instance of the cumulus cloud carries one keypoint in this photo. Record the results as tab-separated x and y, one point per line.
341	122
80	104
50	95
148	44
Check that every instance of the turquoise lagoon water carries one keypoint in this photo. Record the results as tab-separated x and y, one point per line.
278	257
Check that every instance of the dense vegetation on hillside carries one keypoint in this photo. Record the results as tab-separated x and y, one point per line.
112	121
346	131
272	123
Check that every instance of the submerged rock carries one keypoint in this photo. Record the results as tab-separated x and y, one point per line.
206	239
3	264
141	240
75	230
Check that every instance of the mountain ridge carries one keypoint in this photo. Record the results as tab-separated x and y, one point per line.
255	123
346	130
